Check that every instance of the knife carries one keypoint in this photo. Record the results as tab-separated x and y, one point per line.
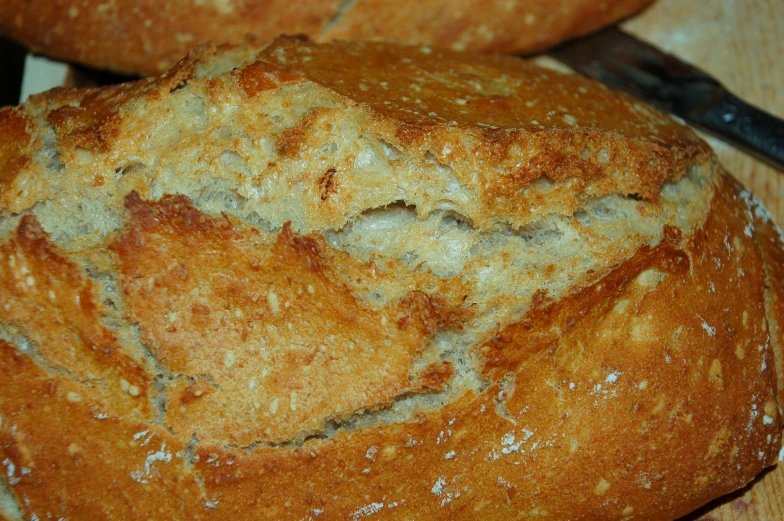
623	62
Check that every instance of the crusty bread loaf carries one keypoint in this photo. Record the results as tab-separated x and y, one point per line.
373	280
149	36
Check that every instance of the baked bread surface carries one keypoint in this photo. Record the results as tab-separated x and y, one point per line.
273	284
149	37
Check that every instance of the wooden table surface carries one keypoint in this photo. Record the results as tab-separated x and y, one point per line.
740	42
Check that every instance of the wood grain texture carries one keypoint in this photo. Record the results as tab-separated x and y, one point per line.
739	42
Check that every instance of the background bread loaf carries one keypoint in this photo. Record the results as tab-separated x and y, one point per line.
146	36
271	284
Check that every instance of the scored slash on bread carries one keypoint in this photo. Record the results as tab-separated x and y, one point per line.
272	285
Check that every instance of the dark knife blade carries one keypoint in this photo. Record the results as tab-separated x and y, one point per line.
623	62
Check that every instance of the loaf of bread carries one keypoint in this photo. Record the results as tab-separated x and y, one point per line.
149	36
373	280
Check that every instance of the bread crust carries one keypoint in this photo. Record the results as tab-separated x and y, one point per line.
146	37
431	108
213	357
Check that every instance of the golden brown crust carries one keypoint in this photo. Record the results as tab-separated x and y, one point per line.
306	348
145	37
770	240
477	115
516	26
619	417
617	401
61	448
54	306
362	308
15	150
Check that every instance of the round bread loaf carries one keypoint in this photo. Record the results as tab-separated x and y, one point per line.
150	36
370	280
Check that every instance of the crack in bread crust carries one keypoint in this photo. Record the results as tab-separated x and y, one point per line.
555	361
486	155
275	346
54	305
575	397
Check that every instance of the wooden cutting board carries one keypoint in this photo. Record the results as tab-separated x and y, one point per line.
740	42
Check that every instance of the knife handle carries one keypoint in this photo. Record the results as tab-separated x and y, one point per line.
747	127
